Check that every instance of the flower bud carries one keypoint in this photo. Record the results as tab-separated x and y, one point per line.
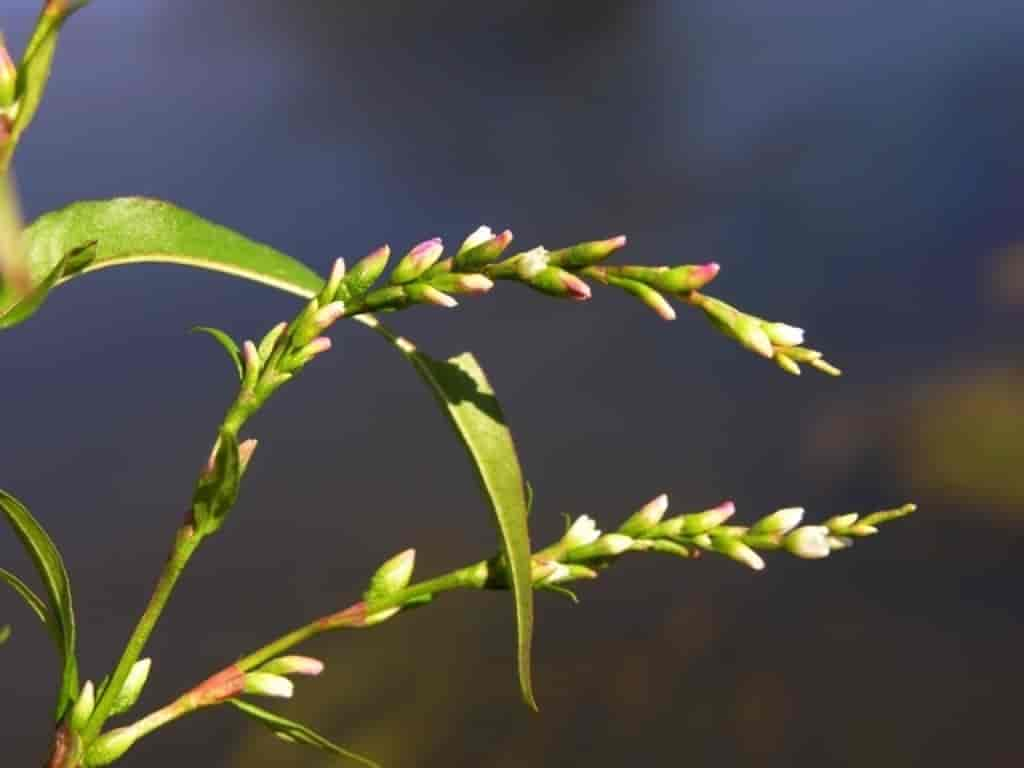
587	254
702	522
840	523
482	253
645	518
293	665
251	365
738	551
609	545
417	261
826	367
646	294
8	76
245	451
678	280
392	576
781	521
364	274
670	548
110	747
555	281
266	684
268	342
133	684
786	363
379	616
333	283
84	705
460	283
808	541
317	346
428	294
744	328
327	315
477	237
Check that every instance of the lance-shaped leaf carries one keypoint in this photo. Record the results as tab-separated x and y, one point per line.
229	344
464	393
51	569
138	230
34	602
297	733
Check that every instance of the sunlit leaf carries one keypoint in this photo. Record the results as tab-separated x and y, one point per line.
291	731
51	569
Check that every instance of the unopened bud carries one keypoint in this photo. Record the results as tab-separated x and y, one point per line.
428	294
245	451
330	290
476	237
327	315
84	705
267	344
417	261
645	518
646	294
473	283
266	684
677	280
786	363
380	616
364	274
609	545
393	576
482	253
840	523
781	521
110	747
707	520
293	665
587	254
317	346
134	683
809	541
555	281
738	551
745	328
8	76
252	365
826	367
669	548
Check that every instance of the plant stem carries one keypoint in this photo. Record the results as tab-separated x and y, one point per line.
185	545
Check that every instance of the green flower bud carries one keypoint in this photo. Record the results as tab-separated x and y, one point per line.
110	747
84	705
676	280
133	684
417	261
364	274
786	363
705	521
669	548
380	616
333	283
428	294
8	76
587	254
646	294
266	684
391	297
609	545
555	281
841	523
251	365
483	249
293	665
580	534
393	576
645	518
738	551
270	340
808	541
460	283
744	328
245	451
782	521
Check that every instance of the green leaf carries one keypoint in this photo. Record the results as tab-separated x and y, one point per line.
136	230
462	390
5	633
34	71
33	600
51	569
227	342
289	730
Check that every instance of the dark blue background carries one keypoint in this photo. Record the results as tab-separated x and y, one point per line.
854	166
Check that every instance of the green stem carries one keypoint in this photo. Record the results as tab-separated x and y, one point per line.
185	545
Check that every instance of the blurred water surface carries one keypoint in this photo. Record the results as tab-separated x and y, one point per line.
854	166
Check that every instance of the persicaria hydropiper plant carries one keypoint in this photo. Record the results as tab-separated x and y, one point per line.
88	236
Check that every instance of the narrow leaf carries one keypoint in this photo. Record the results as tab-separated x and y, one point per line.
51	569
289	730
217	488
5	633
227	342
34	602
465	395
135	230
